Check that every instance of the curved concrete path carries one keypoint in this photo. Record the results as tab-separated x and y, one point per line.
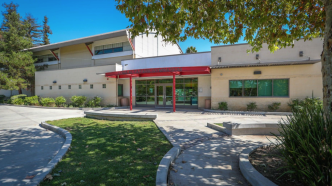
207	162
25	148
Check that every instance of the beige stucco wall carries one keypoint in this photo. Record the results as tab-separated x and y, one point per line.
75	56
74	77
111	61
237	54
204	90
303	81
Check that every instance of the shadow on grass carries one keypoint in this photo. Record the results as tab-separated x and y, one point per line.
110	152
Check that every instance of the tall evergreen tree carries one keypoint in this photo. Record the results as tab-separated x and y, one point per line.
16	64
34	30
46	30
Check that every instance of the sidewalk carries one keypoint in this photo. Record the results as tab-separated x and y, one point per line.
210	162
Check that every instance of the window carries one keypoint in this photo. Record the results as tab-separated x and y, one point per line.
120	89
45	58
110	48
79	86
259	88
42	87
50	87
69	86
104	85
59	87
91	86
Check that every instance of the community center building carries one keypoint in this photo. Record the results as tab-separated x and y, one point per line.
152	73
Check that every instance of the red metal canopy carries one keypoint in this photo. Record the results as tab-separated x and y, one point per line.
150	72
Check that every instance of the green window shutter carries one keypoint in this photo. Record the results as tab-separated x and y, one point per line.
280	87
264	87
120	90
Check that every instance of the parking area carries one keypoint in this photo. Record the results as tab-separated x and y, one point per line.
25	148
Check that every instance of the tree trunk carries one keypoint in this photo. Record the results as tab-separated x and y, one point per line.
327	59
19	91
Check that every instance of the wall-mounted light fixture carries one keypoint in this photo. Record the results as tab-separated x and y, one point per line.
257	56
54	81
257	72
301	53
220	74
85	80
219	60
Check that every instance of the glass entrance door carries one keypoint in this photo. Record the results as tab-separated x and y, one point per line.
164	95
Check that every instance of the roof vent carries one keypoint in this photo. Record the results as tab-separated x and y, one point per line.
257	72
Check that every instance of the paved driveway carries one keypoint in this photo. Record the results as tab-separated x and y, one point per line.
25	147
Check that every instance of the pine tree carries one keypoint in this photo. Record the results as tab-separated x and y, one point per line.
34	30
16	64
46	31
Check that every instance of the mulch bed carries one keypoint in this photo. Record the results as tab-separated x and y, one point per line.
267	161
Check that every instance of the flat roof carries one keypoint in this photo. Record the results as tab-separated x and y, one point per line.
267	64
80	40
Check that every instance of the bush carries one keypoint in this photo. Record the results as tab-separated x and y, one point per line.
78	101
18	101
60	101
2	98
47	102
297	104
251	106
305	142
22	96
95	102
33	100
223	106
274	106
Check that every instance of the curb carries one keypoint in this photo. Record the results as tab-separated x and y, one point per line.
169	157
163	168
120	116
249	172
68	138
249	112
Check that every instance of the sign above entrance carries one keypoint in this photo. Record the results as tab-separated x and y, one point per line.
150	72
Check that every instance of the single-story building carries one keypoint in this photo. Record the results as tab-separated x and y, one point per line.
153	73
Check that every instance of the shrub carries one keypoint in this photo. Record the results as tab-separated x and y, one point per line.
274	106
33	100
95	102
305	142
78	101
47	102
223	106
251	106
2	98
22	96
297	104
60	101
18	101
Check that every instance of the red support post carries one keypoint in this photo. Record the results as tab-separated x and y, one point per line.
87	46
131	93
174	93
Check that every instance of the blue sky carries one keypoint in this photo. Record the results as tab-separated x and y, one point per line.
70	19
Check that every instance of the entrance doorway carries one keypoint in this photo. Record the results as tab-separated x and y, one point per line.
164	95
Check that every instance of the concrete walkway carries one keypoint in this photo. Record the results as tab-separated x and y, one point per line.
211	162
25	147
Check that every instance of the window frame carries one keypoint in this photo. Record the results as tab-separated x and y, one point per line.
51	88
91	86
103	86
79	86
59	87
69	87
111	49
121	90
42	87
229	83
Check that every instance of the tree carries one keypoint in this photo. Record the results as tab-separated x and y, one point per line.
191	49
16	64
34	30
46	30
276	23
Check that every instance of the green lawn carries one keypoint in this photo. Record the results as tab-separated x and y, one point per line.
220	124
110	152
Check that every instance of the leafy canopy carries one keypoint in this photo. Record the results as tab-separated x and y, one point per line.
191	49
275	22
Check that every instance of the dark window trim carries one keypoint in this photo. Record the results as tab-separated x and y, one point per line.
229	83
103	85
112	49
121	89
